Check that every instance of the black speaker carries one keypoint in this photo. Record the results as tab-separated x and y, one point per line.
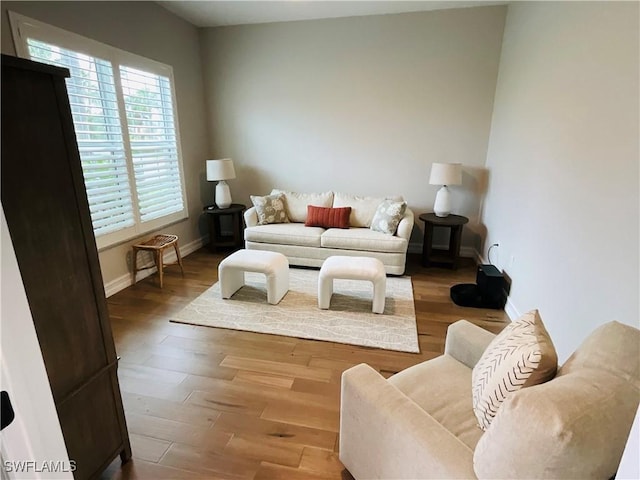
487	292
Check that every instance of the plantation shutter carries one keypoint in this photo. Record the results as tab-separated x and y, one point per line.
152	136
125	118
94	107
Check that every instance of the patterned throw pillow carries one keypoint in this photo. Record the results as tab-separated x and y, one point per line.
270	209
520	356
327	217
388	216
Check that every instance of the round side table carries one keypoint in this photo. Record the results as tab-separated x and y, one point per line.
216	238
435	256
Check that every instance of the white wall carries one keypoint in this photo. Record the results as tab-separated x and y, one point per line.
362	105
149	30
563	165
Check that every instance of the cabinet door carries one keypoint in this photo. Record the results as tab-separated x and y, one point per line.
47	214
35	432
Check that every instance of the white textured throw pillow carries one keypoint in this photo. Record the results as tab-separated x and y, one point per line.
388	216
270	209
520	356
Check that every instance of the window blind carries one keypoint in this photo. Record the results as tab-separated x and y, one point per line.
94	107
123	109
154	150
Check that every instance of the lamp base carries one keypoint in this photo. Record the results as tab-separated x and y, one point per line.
223	195
442	206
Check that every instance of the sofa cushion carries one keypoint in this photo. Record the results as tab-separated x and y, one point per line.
362	208
296	203
601	350
285	234
520	356
388	216
442	388
328	217
362	239
574	426
270	209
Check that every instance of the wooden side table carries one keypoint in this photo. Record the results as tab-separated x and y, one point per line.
216	238
432	256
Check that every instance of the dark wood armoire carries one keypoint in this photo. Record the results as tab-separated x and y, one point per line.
45	204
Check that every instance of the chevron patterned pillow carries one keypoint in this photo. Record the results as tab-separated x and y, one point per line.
520	356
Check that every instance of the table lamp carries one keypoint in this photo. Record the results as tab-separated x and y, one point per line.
220	171
444	174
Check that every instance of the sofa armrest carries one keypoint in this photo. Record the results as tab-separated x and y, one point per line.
250	217
406	225
467	342
385	434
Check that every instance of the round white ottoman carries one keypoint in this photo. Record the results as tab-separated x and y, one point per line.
275	267
352	268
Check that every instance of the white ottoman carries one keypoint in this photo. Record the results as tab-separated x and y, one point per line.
352	268
275	267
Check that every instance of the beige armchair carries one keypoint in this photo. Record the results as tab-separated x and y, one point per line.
420	422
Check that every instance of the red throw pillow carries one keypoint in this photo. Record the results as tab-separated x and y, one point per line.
328	217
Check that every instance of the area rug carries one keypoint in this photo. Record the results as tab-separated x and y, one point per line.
349	320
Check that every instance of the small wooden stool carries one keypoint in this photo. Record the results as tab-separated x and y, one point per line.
157	245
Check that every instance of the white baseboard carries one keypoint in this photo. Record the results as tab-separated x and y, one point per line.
479	258
124	281
467	252
511	310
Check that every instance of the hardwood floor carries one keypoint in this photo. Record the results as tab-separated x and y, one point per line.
222	404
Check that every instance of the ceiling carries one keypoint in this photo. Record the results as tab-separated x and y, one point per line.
239	12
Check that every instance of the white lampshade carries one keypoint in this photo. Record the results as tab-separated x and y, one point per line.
446	174
220	170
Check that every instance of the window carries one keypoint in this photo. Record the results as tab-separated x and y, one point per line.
123	111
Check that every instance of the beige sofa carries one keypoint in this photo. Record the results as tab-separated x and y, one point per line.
420	423
310	246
